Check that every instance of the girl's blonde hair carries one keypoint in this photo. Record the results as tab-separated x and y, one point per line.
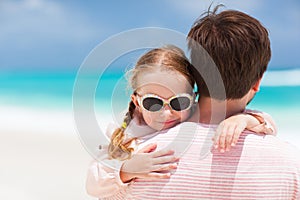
165	58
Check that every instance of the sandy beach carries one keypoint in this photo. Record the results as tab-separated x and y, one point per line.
42	156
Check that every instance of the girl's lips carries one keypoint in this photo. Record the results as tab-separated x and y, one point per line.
168	122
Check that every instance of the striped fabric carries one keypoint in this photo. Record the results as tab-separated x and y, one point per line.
258	167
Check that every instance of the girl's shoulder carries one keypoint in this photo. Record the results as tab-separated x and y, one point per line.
137	129
134	129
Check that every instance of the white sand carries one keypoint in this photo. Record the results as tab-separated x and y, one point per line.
42	157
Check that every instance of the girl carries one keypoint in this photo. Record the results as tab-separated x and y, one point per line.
162	98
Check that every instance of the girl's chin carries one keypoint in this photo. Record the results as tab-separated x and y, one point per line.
168	124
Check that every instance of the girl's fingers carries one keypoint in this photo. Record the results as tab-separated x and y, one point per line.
229	137
163	152
221	144
236	135
216	137
164	167
222	139
215	140
149	148
157	175
165	159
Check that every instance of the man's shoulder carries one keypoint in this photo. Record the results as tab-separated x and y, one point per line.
269	145
190	130
264	145
192	126
266	140
183	131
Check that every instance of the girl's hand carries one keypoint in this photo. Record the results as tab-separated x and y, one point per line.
149	164
229	131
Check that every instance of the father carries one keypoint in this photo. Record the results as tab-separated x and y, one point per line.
259	166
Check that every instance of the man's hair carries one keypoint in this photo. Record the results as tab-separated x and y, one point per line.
239	46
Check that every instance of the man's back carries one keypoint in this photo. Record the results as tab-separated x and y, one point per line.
258	167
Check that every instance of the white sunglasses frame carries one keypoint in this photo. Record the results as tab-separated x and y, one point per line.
140	99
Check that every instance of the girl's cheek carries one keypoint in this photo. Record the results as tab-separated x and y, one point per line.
148	118
184	115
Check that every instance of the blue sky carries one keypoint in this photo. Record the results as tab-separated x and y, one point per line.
44	34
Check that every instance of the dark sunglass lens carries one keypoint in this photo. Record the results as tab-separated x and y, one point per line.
180	103
152	104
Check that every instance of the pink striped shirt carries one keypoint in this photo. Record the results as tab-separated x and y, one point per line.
258	167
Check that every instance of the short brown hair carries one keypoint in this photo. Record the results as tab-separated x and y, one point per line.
239	46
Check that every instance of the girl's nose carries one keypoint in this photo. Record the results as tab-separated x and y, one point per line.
167	110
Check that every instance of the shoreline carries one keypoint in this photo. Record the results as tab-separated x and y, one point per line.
60	122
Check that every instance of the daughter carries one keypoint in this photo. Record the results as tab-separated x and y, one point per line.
163	96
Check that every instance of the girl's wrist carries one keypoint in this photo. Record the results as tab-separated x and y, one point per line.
252	120
126	176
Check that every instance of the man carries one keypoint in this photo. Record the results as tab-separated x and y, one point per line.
259	166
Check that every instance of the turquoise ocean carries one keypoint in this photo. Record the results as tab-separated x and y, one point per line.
54	90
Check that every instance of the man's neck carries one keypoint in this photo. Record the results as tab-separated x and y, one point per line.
213	111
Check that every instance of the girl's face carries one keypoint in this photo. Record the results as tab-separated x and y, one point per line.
164	84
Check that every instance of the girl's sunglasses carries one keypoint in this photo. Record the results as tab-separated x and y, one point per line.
154	103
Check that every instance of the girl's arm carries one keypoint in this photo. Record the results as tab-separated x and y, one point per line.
112	177
103	178
229	130
149	164
104	181
266	125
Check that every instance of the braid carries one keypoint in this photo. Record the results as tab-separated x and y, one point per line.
117	149
129	114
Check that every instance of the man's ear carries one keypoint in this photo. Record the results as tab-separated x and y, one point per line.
257	85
